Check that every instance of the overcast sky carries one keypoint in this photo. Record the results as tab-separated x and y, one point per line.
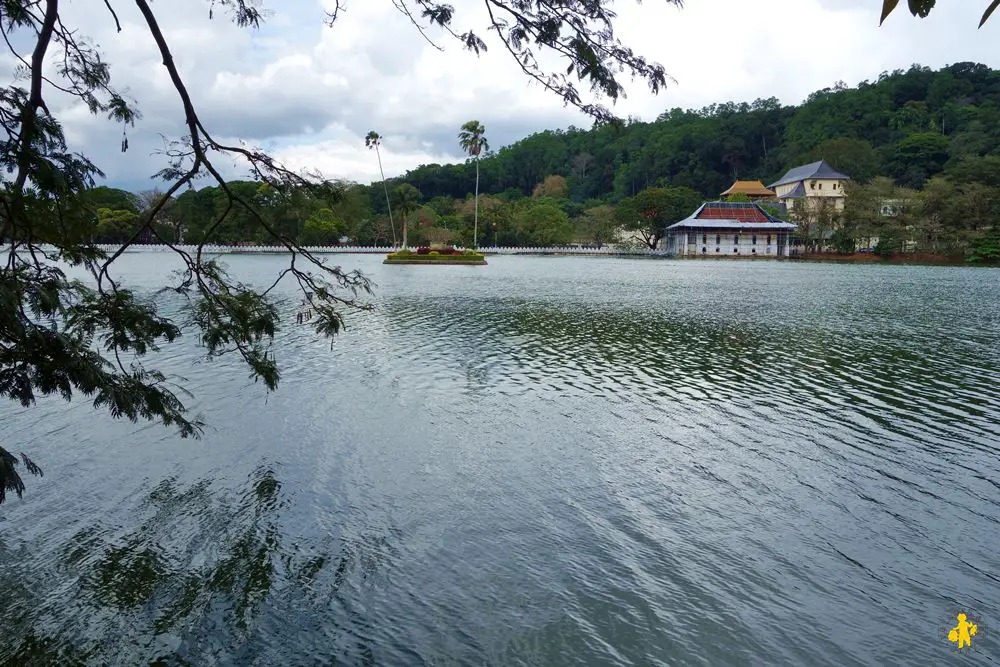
310	93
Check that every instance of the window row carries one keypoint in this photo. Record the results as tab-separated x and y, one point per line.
736	239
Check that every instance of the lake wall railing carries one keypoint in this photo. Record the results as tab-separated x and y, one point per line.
381	250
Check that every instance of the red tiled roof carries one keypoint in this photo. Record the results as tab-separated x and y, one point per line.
748	213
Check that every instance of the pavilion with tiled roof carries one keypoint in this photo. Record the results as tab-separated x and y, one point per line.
753	189
729	228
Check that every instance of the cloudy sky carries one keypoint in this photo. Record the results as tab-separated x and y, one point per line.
310	93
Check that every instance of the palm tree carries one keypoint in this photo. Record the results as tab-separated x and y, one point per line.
472	140
373	140
407	201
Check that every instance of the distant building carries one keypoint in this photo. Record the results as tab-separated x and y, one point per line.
755	190
729	228
812	185
890	208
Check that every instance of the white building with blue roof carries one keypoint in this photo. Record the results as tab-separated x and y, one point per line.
815	186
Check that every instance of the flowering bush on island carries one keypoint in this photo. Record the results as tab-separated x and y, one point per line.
436	253
437	249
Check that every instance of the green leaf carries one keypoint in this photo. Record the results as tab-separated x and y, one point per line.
921	8
989	12
887	7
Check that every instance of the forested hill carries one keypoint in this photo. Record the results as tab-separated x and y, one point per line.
930	139
909	125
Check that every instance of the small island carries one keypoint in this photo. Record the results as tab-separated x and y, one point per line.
436	254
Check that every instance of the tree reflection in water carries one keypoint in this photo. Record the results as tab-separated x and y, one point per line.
205	577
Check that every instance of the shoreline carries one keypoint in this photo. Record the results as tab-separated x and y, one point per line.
918	259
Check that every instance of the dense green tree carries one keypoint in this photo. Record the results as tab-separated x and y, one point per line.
953	216
195	211
598	225
870	208
442	205
112	198
651	211
918	157
987	249
541	222
322	228
498	221
372	230
115	225
975	169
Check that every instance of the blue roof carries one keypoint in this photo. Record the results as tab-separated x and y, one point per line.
807	171
798	191
729	224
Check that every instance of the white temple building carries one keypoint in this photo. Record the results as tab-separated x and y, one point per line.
721	228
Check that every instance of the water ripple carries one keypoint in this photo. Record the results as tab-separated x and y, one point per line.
549	461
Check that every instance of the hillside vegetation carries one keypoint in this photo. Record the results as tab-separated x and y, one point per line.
928	138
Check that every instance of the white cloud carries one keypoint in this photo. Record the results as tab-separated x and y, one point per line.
312	93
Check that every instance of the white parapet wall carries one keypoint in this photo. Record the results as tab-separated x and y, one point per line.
381	250
229	249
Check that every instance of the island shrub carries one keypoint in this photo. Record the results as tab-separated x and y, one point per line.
987	250
886	248
423	250
843	242
433	253
434	258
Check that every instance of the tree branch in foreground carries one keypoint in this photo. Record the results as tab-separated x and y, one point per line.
69	337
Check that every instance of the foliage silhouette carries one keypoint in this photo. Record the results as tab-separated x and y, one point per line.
68	337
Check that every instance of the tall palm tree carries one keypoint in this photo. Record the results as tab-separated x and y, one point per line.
407	201
472	139
373	140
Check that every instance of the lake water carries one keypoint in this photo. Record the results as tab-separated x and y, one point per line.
546	461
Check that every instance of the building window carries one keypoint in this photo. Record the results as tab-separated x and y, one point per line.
704	250
754	251
736	250
718	239
812	186
736	239
768	239
716	248
834	186
753	239
704	238
820	186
